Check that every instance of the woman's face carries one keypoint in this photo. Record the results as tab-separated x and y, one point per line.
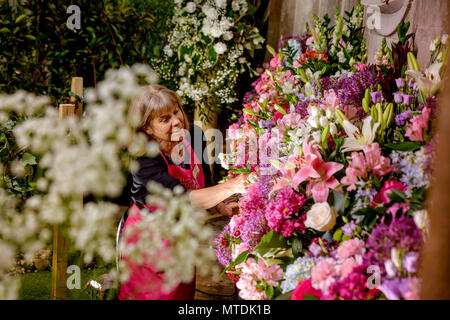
168	126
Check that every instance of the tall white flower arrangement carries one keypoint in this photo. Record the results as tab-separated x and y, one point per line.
207	50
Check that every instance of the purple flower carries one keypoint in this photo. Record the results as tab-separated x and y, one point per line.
398	97
266	124
315	249
349	228
401	233
407	98
377	96
412	84
400	82
253	229
222	248
403	117
410	261
390	289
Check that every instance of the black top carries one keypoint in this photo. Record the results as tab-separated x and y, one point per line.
155	168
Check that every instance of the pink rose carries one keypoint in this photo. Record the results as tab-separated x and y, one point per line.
414	131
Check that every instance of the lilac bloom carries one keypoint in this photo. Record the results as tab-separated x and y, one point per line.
410	261
400	82
398	97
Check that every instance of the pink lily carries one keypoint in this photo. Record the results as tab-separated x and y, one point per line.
319	173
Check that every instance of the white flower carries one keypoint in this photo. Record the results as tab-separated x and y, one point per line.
222	4
323	121
429	83
190	7
321	217
210	12
228	36
333	128
168	51
357	140
220	48
421	219
444	38
341	56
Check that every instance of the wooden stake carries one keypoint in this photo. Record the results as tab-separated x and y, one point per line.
77	88
60	256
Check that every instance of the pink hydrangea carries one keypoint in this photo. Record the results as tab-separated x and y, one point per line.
350	248
414	131
347	267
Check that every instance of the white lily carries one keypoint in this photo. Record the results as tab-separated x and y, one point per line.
429	82
356	139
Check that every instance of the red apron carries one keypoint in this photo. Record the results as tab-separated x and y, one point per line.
145	283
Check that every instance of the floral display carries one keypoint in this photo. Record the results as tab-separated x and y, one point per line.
340	155
208	48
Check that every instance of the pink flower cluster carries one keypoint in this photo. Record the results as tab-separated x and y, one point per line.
414	131
327	271
370	160
254	278
280	212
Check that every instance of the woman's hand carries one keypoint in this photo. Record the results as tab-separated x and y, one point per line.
239	184
228	209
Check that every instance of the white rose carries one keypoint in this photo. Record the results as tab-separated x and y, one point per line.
321	217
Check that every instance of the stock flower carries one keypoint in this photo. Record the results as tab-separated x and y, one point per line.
356	140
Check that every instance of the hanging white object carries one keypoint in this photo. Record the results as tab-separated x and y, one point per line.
385	16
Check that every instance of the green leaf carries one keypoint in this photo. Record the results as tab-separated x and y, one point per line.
309	297
337	235
404	146
339	202
269	292
271	244
397	196
28	158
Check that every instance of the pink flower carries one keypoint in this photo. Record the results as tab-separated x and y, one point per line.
414	289
357	168
397	206
309	41
323	274
360	67
350	248
414	131
375	161
237	250
305	287
347	267
275	61
235	222
383	194
253	273
318	172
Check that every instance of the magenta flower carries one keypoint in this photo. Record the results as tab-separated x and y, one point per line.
318	172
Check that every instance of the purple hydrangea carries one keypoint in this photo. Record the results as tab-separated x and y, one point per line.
253	229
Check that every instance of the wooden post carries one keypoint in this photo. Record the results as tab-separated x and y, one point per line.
60	244
77	88
59	259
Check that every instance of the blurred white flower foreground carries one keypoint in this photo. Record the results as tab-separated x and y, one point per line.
89	157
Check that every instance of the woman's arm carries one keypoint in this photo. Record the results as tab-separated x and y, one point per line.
209	197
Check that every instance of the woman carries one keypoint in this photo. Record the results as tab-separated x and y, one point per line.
164	121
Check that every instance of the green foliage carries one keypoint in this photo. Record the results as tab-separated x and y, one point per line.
40	54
